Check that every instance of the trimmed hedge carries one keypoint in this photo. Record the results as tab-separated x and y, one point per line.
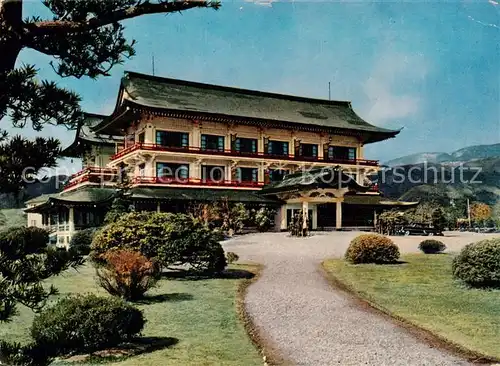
170	239
478	264
372	248
431	246
85	323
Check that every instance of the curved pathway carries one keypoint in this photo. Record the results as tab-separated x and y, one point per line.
312	323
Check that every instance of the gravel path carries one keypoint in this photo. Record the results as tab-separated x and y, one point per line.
313	324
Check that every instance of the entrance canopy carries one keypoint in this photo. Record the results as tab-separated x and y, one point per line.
320	178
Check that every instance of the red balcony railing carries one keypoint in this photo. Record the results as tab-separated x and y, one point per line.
94	170
197	182
229	152
92	175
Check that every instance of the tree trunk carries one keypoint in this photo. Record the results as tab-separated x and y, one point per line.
10	42
11	12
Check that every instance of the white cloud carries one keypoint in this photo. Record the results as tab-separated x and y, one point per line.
391	72
267	3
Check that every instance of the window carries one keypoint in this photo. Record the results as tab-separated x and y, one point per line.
212	173
277	147
212	142
170	171
141	137
244	145
276	175
308	150
142	170
247	174
33	222
341	153
172	139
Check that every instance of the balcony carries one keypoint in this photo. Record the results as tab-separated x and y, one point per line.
95	175
232	153
197	182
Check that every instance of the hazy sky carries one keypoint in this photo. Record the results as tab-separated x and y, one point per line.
431	67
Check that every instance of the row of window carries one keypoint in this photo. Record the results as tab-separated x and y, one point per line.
81	218
249	146
213	173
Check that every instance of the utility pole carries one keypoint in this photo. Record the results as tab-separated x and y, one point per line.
153	63
329	92
468	212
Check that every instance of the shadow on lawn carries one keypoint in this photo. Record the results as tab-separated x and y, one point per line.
186	275
126	350
173	297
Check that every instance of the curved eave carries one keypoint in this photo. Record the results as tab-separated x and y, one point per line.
74	150
54	202
129	111
345	182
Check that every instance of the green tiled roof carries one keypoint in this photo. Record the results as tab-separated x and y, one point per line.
95	195
85	195
41	199
85	135
376	200
220	101
312	179
197	194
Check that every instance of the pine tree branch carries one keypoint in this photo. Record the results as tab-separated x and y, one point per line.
49	27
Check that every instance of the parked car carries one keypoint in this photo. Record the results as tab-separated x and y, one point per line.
419	229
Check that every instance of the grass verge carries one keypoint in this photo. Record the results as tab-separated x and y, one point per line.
200	315
423	293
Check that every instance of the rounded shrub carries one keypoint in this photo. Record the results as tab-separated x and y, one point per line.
478	264
82	239
86	323
372	248
170	239
431	246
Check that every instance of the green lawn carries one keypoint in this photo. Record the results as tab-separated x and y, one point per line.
14	217
423	292
201	314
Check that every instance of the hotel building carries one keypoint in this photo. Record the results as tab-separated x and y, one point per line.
177	142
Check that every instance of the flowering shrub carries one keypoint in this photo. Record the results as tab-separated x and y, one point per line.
127	274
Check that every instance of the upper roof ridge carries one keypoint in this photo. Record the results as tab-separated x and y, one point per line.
234	89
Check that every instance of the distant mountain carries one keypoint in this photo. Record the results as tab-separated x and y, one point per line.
462	155
478	180
52	184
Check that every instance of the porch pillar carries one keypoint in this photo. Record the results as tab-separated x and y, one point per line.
71	224
305	214
315	217
283	223
338	220
158	207
375	218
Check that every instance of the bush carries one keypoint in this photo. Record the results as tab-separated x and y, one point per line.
78	324
170	239
264	219
372	248
82	239
431	246
23	355
232	257
478	264
127	274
